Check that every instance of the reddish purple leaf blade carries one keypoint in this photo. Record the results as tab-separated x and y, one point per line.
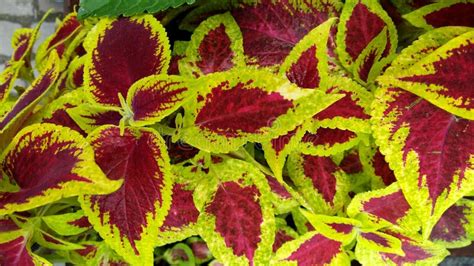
15	252
215	51
235	207
182	212
279	26
363	26
304	72
252	112
33	94
139	158
459	14
123	51
312	249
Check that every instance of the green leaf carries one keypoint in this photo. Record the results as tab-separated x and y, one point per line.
127	8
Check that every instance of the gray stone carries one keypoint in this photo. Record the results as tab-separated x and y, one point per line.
458	261
6	32
16	7
45	5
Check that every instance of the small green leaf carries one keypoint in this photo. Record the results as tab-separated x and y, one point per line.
127	8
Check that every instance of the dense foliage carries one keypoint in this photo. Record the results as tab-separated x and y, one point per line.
281	132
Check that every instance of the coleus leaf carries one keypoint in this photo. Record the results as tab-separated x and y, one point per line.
181	220
319	181
455	228
238	217
243	105
366	39
15	247
7	79
56	112
283	234
153	98
215	46
100	8
352	112
433	77
90	116
49	162
279	27
32	95
378	241
384	207
443	13
64	31
75	76
307	63
122	51
327	141
375	165
277	149
334	227
139	158
95	253
49	241
283	200
311	248
415	252
425	45
73	46
23	41
432	168
351	163
67	224
301	222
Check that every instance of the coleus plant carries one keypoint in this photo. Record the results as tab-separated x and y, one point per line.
280	132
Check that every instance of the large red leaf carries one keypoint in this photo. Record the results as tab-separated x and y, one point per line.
122	51
49	162
242	105
180	222
429	150
238	216
444	77
216	45
271	29
366	39
139	158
